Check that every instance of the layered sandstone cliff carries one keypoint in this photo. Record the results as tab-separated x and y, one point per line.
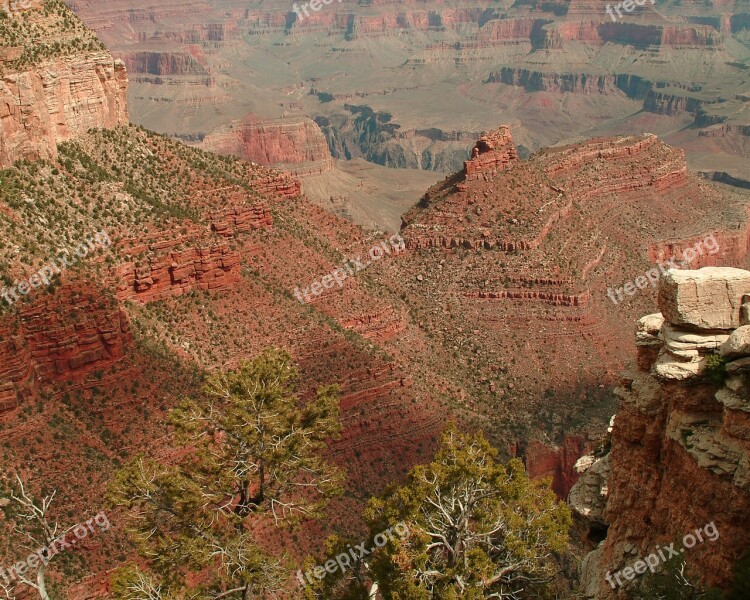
493	152
59	338
296	145
56	82
680	456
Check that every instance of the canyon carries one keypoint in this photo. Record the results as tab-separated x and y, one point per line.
446	72
495	316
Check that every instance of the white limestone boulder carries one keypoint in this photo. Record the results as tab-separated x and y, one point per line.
708	298
738	343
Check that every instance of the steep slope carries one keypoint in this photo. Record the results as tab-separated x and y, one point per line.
131	266
199	275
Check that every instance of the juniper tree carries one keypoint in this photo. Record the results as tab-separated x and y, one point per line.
478	529
39	531
253	453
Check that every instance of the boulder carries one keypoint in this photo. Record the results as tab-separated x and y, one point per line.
738	343
583	463
648	330
588	497
708	298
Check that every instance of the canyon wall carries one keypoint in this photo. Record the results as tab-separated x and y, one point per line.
62	337
162	63
297	145
43	106
54	87
680	446
535	81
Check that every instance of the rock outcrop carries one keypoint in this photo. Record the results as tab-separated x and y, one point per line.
163	63
295	145
493	152
680	456
54	85
556	462
705	299
164	269
60	338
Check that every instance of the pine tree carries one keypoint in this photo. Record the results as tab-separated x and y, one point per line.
253	454
476	528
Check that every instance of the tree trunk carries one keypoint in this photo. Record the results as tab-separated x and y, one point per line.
40	583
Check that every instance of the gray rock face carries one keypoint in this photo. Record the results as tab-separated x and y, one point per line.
708	298
588	497
738	343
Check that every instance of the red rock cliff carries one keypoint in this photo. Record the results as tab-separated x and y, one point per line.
59	338
681	441
297	145
53	89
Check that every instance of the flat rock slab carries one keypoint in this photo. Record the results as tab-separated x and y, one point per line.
671	367
708	298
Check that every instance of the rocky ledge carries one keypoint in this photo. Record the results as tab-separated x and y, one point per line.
680	446
701	313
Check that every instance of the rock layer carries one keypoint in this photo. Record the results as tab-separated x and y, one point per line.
493	152
676	435
50	94
60	338
295	145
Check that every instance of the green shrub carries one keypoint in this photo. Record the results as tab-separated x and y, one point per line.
716	368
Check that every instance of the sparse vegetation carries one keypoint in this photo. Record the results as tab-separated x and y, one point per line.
716	368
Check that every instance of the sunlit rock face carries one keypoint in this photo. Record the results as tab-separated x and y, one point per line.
680	456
